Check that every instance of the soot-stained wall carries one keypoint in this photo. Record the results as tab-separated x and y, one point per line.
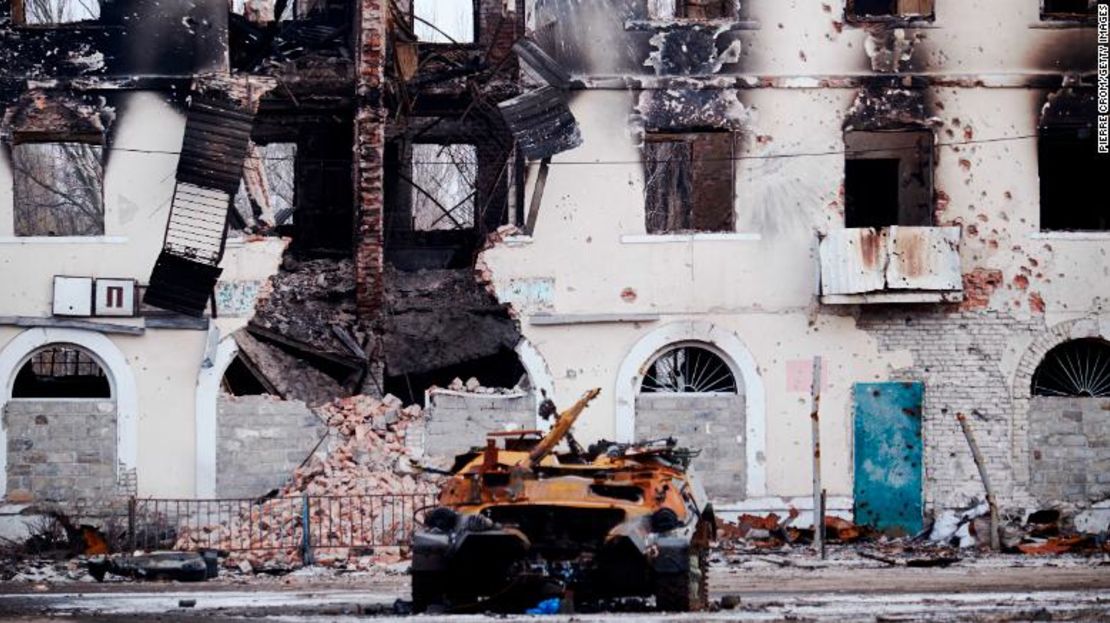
131	40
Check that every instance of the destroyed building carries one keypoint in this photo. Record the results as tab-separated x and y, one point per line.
216	216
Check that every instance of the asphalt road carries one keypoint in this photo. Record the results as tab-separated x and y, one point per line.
764	593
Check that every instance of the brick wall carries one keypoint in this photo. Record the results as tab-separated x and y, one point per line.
958	358
260	440
455	422
1069	444
714	424
369	157
61	450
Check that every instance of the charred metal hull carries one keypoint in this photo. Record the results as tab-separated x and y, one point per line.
521	523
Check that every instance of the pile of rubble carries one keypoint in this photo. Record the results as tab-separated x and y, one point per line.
368	457
953	534
474	386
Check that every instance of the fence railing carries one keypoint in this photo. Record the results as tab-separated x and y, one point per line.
275	523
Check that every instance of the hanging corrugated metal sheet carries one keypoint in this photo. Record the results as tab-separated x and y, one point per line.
896	259
853	261
217	136
542	123
924	258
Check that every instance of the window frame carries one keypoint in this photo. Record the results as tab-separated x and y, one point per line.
928	166
690	136
476	27
92	359
22	138
732	15
445	211
1088	18
852	17
19	19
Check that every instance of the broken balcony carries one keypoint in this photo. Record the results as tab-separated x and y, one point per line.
891	265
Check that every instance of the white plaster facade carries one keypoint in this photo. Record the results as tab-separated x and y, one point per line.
620	294
155	375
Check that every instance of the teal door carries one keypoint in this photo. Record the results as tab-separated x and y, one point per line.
888	456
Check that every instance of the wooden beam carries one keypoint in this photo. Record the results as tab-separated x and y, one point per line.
537	197
57	323
547	320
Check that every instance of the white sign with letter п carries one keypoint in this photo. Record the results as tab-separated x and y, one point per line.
115	297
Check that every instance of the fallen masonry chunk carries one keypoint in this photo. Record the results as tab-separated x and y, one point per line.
177	566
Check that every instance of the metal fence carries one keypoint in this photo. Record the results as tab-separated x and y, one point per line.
275	523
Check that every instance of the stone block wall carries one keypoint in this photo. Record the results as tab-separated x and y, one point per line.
958	356
713	423
1069	444
260	441
456	422
61	450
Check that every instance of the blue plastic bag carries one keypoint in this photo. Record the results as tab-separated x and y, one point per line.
547	606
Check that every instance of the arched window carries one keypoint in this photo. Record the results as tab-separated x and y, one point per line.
689	369
1079	368
61	371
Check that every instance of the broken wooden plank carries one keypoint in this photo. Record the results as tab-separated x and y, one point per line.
56	323
304	349
537	197
177	321
349	341
539	61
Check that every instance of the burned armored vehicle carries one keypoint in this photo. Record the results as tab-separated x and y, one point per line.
518	522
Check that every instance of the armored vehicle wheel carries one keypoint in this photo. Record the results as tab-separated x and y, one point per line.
687	591
428	591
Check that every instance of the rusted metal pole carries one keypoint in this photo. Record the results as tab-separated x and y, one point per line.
824	510
815	420
981	464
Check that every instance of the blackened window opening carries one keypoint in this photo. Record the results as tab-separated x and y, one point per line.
888	179
690	182
1068	8
1069	175
1075	369
863	9
61	371
871	193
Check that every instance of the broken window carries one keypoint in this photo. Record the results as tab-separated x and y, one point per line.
58	189
888	178
61	371
444	186
692	9
443	21
1069	165
52	12
1067	9
872	9
1079	368
261	11
690	182
689	369
267	195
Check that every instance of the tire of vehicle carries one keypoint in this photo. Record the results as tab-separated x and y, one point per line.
428	590
687	591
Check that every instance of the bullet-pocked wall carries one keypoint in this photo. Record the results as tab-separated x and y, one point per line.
796	77
164	363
